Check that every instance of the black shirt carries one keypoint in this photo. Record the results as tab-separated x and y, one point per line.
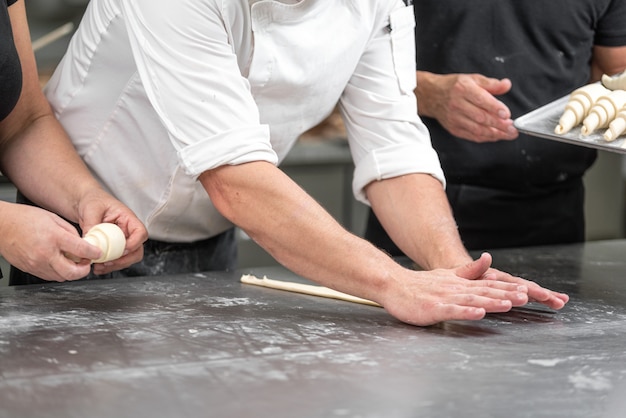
10	69
544	47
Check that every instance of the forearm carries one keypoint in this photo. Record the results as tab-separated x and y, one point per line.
35	152
414	211
289	224
41	161
296	230
607	60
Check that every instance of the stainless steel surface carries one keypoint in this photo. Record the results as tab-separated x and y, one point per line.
206	345
542	121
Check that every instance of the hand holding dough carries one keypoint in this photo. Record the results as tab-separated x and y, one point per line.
109	238
306	289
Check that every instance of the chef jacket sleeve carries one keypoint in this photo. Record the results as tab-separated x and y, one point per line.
191	75
387	137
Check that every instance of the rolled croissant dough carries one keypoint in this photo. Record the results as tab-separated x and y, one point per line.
109	238
304	288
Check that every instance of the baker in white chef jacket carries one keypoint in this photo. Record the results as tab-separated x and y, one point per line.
183	110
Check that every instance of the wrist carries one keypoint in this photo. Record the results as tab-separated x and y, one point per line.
448	257
426	92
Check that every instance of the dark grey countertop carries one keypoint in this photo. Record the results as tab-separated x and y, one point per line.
205	345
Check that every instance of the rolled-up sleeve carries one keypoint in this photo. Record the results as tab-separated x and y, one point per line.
191	75
387	137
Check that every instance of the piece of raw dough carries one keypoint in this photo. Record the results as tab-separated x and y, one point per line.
617	82
603	111
617	126
109	238
579	105
306	289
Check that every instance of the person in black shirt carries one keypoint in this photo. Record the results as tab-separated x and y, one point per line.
37	156
479	66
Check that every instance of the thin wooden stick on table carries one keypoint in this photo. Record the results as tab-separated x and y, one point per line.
306	289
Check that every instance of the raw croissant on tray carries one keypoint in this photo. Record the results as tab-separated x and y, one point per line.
617	126
578	106
617	82
603	111
597	106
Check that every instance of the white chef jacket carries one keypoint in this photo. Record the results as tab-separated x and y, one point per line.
155	92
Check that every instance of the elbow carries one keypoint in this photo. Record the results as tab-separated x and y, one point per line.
221	191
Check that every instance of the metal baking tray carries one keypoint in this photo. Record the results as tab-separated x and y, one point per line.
542	121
